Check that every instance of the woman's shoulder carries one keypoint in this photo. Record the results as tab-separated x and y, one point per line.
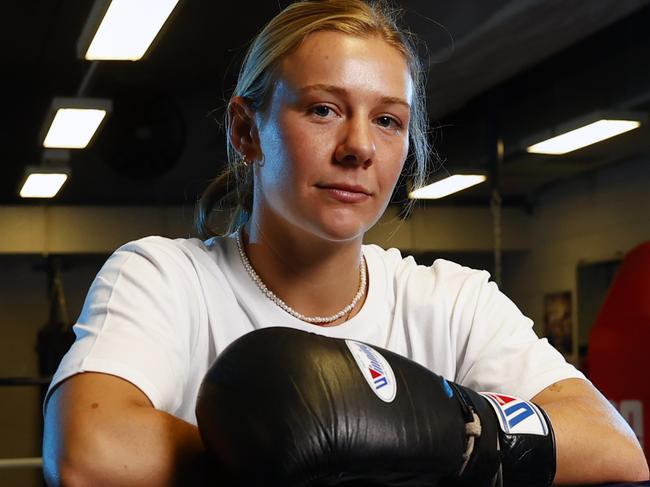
172	256
162	247
403	269
399	260
186	267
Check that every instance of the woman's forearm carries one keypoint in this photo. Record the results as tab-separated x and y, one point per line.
146	448
594	443
103	431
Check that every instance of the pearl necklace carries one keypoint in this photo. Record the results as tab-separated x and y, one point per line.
309	319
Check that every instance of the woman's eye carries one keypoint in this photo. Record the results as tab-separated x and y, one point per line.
388	122
322	110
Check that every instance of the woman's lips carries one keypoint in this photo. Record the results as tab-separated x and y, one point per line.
346	194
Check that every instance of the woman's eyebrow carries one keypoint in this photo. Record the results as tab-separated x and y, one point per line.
343	92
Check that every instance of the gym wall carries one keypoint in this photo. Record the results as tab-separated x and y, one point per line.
598	216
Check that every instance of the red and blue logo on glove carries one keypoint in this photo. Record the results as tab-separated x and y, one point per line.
375	369
517	416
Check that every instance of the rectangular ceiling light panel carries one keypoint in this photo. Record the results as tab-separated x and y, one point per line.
72	128
127	29
583	136
71	123
42	183
447	186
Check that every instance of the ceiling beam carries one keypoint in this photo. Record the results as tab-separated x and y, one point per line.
519	35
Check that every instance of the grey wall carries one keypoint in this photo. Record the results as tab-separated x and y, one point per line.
595	218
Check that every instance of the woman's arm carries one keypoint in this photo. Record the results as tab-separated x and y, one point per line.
594	443
101	430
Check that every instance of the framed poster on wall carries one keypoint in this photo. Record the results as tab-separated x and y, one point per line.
558	325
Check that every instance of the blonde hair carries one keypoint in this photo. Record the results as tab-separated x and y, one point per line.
234	187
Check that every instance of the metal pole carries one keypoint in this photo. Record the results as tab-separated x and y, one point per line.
87	79
495	207
6	463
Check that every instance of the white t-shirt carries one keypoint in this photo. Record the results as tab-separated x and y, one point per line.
160	311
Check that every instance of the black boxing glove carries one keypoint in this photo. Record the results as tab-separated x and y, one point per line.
285	407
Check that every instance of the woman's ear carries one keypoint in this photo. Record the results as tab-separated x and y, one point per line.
243	130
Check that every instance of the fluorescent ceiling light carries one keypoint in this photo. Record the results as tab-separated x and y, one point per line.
43	182
72	128
72	122
126	28
447	186
42	185
583	136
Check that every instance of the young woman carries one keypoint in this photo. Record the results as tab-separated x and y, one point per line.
328	106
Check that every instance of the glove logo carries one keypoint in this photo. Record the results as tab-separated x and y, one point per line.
517	416
375	369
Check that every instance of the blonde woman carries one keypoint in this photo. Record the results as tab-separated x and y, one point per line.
328	106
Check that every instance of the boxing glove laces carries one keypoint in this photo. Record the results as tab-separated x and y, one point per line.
285	407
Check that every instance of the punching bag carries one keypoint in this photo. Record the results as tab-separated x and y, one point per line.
619	341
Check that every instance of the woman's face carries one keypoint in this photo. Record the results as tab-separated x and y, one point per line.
334	137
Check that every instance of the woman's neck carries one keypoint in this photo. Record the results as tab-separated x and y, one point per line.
312	276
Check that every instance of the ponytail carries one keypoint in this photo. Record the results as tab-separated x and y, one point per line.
232	192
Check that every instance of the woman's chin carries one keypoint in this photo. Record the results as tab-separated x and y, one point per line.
341	231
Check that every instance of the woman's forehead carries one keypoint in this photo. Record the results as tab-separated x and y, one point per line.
353	64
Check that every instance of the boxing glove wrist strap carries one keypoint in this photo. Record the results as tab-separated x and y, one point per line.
524	439
526	442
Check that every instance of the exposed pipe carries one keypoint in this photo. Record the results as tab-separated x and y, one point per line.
495	207
7	463
88	76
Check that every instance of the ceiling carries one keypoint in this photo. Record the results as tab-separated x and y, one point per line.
503	69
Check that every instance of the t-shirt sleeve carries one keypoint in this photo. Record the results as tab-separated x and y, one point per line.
498	350
136	322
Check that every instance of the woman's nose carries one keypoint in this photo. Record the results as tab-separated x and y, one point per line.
357	145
